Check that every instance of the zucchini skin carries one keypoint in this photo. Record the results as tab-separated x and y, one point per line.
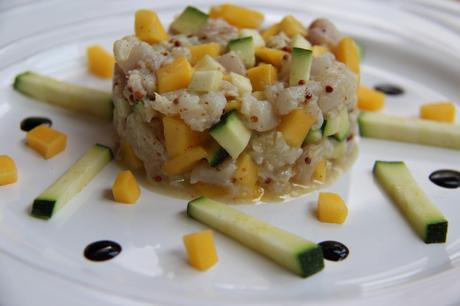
43	208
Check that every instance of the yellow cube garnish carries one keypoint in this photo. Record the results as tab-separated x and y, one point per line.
209	190
125	188
184	162
440	111
291	26
201	250
262	76
199	51
370	99
347	53
331	208
8	171
129	157
179	137
46	141
238	16
271	31
231	105
318	50
148	27
175	75
295	127
100	62
320	172
270	56
246	176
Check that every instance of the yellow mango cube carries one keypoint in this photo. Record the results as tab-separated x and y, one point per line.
129	157
8	171
238	16
370	99
199	51
246	176
295	127
262	76
318	50
184	162
100	62
175	75
209	190
271	56
46	141
347	52
331	208
125	188
179	137
440	111
201	250
271	31
148	27
320	173
231	105
291	26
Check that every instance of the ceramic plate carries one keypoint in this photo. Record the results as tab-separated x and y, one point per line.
414	45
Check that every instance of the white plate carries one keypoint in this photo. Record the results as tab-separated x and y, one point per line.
386	256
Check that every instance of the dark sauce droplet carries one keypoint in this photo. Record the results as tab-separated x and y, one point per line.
446	178
102	250
32	122
389	89
334	250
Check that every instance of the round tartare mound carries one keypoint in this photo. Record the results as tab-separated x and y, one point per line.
221	105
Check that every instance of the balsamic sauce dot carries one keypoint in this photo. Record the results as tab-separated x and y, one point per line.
30	123
102	250
446	178
389	89
334	250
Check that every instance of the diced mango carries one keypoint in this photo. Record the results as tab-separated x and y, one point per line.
320	173
347	52
201	250
199	51
231	105
179	137
270	56
271	31
148	27
46	141
331	208
184	162
238	16
209	190
246	176
318	50
262	76
295	127
8	171
125	188
370	99
175	75
129	157
439	111
100	62
291	26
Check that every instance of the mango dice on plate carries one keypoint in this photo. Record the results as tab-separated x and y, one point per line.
8	171
295	127
440	111
184	162
179	137
246	176
238	16
370	99
262	76
201	250
271	56
347	52
148	27
320	173
46	141
291	26
125	188
175	75
331	208
199	51
100	62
